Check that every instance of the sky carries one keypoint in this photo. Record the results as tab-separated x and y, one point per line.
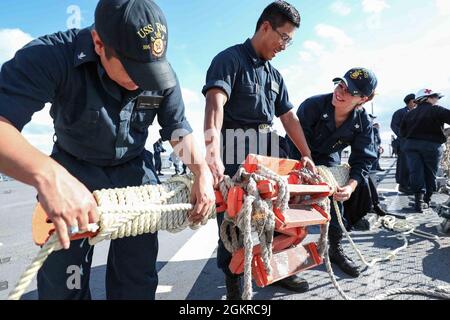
405	42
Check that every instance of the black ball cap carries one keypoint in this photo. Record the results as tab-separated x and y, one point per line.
359	81
137	31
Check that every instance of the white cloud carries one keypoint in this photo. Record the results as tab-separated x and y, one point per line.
39	131
313	46
305	56
340	8
338	36
374	6
12	40
443	7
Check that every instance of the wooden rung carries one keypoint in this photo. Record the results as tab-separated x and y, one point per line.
279	166
294	218
306	189
280	242
286	263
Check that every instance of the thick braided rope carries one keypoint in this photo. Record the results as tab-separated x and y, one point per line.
128	212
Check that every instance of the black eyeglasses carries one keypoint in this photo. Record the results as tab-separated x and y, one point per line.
287	41
343	88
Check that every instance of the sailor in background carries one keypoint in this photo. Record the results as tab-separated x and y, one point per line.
423	131
402	172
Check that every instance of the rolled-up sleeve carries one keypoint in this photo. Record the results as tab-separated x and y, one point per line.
27	82
282	103
171	118
222	73
363	154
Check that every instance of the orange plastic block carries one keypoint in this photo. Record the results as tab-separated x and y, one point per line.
267	189
285	263
221	206
43	228
235	201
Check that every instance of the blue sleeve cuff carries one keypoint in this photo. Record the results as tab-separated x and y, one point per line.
176	131
283	109
357	177
220	84
14	113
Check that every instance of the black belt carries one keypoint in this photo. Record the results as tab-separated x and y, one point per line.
256	126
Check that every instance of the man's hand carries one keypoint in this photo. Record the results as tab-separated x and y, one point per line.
202	196
309	164
217	169
68	203
343	193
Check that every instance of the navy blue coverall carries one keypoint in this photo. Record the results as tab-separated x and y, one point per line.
100	134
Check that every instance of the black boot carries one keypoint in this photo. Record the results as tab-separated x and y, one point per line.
427	200
294	283
378	210
419	204
337	255
233	285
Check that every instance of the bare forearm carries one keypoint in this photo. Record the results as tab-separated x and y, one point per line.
215	100
20	160
295	132
187	149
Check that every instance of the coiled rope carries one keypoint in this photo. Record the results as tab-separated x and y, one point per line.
390	223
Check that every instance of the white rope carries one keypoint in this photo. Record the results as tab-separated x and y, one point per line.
128	212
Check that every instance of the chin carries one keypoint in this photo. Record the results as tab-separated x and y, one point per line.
336	102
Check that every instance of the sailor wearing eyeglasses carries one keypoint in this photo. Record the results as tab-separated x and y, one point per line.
332	122
244	93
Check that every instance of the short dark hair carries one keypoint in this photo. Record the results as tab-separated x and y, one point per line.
278	13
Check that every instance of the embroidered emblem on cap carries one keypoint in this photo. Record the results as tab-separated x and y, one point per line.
158	40
358	74
428	91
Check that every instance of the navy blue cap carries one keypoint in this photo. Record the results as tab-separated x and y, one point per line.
409	97
359	81
137	31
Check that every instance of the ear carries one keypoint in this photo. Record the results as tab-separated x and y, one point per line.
265	26
98	43
369	98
